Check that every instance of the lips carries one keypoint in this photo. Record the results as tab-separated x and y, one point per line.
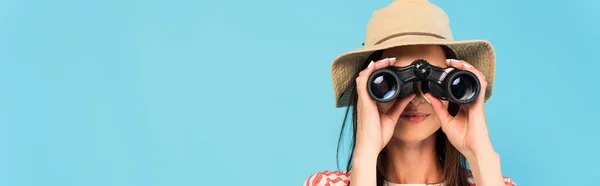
414	117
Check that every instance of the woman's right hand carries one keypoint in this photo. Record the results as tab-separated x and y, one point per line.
375	127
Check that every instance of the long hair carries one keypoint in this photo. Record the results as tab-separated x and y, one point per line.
449	158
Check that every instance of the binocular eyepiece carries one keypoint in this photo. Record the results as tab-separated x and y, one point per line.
457	86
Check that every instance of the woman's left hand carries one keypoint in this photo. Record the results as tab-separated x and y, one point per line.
467	131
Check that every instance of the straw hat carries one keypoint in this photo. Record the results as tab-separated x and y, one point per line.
409	22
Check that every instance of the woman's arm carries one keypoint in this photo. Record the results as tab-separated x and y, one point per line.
364	169
485	167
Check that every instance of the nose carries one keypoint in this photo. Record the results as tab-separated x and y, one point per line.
419	97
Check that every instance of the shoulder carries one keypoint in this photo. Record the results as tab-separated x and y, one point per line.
332	178
507	181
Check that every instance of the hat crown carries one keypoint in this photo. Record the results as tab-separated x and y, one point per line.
407	17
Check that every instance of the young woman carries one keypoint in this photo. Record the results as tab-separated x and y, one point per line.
417	139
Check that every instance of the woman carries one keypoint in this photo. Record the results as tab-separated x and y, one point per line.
417	139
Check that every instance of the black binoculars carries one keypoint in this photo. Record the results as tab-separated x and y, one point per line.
452	84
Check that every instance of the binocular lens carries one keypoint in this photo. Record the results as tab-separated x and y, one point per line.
463	87
383	86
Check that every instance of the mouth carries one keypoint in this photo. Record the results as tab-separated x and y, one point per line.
414	117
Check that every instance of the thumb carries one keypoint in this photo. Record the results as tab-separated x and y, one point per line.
398	107
439	109
389	120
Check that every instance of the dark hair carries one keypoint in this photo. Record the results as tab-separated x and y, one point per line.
451	160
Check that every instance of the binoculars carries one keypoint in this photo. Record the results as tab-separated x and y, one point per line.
452	84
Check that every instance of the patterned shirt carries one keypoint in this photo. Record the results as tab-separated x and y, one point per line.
341	178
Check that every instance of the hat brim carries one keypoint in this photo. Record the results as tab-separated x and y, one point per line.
346	66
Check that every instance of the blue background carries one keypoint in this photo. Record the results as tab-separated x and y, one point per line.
182	92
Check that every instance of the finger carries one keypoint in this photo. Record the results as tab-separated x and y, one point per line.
361	88
367	68
384	63
460	64
463	65
361	84
439	109
399	106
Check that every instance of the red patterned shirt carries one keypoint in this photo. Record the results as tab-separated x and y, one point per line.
341	178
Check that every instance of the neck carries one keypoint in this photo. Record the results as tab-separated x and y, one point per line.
412	162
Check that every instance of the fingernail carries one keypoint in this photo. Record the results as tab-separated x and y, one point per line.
467	65
370	64
393	59
426	99
384	60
